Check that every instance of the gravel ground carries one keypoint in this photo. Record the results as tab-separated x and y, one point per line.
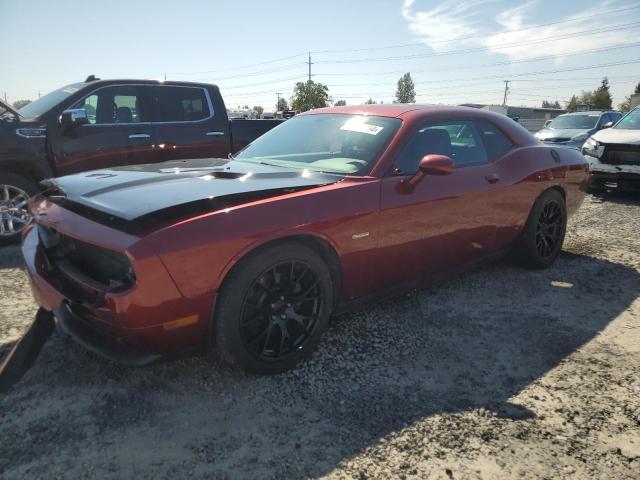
500	373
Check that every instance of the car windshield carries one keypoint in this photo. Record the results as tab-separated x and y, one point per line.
47	102
574	122
631	121
346	144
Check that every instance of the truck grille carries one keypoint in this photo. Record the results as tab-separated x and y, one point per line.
86	263
621	155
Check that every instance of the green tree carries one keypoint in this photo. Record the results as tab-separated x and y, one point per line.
406	91
601	97
547	104
18	104
371	101
340	103
308	95
626	105
573	104
257	111
282	105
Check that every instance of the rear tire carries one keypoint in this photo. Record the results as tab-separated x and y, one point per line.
544	232
15	190
273	308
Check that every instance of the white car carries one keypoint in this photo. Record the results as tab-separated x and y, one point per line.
614	154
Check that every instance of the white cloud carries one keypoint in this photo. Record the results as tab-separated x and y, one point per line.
449	20
516	19
442	26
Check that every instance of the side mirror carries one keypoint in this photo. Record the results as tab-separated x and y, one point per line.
74	116
607	125
436	165
429	165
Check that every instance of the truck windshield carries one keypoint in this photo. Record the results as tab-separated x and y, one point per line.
331	143
47	102
575	121
631	121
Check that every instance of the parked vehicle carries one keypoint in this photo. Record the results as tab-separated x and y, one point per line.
614	154
104	123
572	129
250	256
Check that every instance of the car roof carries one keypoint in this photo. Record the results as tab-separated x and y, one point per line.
139	81
397	110
590	112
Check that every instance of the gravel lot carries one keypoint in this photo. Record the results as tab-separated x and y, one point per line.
501	373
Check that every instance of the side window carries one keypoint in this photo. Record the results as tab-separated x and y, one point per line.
180	104
495	142
604	119
117	104
458	140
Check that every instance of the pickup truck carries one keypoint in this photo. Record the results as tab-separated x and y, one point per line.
104	123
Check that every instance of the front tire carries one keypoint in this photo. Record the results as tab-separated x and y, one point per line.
544	232
273	308
15	190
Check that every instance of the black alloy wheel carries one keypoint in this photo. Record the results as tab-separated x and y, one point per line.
281	310
272	308
544	231
549	230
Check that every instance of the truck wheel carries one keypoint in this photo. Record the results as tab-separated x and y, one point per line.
15	190
543	234
273	308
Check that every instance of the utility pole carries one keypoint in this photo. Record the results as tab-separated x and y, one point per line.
38	93
5	97
278	102
309	85
506	91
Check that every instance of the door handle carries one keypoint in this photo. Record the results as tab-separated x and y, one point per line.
492	177
133	136
215	134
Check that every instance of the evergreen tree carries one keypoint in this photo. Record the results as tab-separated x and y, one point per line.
406	91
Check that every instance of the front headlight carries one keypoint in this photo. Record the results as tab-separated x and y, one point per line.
592	148
580	138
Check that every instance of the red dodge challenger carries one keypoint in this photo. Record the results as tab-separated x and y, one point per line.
249	256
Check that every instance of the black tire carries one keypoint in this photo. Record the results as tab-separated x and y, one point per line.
14	184
544	232
273	308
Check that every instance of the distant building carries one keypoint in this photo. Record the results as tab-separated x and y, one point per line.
531	118
635	100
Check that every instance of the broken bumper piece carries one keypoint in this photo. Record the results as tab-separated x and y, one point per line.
24	353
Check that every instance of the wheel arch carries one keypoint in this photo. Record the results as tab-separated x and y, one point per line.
322	245
29	169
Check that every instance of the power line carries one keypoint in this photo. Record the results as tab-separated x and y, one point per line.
493	64
266	62
483	49
467	37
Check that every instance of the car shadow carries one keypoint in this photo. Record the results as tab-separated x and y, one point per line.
471	343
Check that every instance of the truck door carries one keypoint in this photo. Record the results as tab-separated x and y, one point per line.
187	125
118	131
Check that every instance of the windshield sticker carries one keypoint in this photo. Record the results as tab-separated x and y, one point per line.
70	90
359	125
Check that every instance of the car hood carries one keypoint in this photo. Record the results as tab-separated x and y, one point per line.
618	135
551	133
177	189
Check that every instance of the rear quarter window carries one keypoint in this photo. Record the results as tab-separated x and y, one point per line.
180	104
496	143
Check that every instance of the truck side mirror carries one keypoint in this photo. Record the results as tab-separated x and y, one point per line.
607	125
74	116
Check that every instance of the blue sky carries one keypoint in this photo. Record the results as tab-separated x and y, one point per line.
456	51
